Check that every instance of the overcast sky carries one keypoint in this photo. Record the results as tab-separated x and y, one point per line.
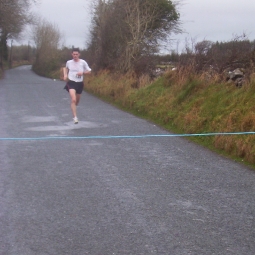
217	20
202	19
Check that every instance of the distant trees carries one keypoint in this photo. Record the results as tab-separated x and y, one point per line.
221	56
240	52
14	15
125	31
21	53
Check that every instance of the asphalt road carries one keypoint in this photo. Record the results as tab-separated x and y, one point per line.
67	189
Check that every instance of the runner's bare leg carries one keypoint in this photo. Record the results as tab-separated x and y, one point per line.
73	97
78	96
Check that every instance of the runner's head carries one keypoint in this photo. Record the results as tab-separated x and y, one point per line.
75	54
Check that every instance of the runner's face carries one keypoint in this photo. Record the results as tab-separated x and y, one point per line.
76	55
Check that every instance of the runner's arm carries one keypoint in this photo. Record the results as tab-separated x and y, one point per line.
87	69
65	72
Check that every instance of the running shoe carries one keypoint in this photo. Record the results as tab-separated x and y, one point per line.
75	120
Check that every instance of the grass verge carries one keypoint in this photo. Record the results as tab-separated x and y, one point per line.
184	103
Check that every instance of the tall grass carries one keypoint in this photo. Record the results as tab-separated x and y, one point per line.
184	102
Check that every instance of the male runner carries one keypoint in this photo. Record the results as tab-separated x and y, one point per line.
73	74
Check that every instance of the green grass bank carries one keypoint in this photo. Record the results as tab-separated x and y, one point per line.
185	103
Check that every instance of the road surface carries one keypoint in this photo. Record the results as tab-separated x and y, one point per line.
96	188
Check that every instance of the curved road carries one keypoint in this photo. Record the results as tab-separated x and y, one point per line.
102	196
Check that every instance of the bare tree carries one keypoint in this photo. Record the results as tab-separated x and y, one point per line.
47	38
14	15
148	22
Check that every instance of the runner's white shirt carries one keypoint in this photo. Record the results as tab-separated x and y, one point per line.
76	67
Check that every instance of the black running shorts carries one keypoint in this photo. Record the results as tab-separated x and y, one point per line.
77	86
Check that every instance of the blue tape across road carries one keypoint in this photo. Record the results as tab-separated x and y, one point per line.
119	136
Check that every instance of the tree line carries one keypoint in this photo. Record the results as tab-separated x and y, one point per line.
220	57
125	36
